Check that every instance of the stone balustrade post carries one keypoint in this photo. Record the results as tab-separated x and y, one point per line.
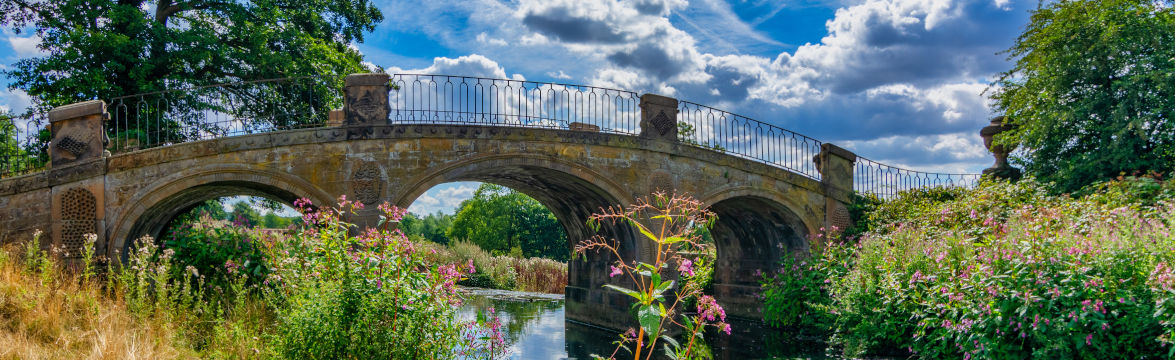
365	99
658	117
836	176
77	188
77	131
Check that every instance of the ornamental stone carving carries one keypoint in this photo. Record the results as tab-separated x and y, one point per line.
79	217
658	117
366	99
367	183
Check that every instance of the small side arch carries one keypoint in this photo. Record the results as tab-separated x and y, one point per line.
755	229
150	212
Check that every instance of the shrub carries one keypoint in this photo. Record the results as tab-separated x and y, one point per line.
1001	271
209	245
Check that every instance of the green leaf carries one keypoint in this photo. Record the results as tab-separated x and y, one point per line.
635	294
650	320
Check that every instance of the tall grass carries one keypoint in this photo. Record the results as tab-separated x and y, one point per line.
324	294
500	272
48	313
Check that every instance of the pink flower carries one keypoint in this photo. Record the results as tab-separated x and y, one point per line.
686	267
615	271
726	328
1089	339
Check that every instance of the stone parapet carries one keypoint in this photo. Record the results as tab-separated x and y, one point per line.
365	99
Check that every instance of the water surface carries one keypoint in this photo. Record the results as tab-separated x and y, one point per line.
536	328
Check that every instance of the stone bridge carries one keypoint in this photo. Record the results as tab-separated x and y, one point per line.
764	211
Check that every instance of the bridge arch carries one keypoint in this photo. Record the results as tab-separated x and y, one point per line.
149	214
755	228
572	192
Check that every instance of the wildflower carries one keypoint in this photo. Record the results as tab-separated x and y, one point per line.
1089	339
615	271
686	267
726	328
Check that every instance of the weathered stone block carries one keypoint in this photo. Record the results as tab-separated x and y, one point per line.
658	117
77	132
366	99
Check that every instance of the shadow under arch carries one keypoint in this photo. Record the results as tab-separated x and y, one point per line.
572	193
150	213
755	229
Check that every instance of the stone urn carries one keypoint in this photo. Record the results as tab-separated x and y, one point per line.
1001	169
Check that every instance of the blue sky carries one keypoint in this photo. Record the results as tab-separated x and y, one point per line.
897	81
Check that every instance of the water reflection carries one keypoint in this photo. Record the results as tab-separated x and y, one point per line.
536	328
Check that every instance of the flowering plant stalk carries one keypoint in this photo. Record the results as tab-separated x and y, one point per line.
673	224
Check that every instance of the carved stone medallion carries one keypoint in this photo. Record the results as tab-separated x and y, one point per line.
367	183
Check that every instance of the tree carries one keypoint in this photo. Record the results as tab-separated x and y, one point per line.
432	227
244	214
102	49
499	219
1092	92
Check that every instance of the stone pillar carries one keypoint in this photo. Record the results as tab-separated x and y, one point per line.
77	187
658	117
1001	169
365	99
836	176
77	132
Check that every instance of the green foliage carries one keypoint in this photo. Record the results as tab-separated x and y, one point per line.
432	227
1092	93
798	296
675	224
498	219
219	252
1001	271
103	49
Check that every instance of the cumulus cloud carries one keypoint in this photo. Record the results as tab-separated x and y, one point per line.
912	71
469	65
27	46
443	198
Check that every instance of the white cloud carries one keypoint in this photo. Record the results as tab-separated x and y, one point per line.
559	75
444	198
469	65
25	46
909	70
485	39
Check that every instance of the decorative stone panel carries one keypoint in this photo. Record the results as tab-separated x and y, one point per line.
658	117
79	216
367	183
77	132
366	99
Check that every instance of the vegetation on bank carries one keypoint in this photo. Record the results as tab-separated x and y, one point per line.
319	293
1001	271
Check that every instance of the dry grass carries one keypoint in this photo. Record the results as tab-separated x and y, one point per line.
50	314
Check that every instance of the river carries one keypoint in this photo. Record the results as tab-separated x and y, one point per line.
535	328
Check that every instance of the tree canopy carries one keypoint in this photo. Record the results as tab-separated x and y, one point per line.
102	49
1092	92
500	220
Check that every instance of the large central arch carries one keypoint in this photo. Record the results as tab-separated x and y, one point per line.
572	193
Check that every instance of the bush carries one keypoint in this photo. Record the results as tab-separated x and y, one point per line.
1001	271
209	245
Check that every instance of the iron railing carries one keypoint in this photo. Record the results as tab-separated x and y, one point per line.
887	181
206	112
23	145
447	99
734	134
